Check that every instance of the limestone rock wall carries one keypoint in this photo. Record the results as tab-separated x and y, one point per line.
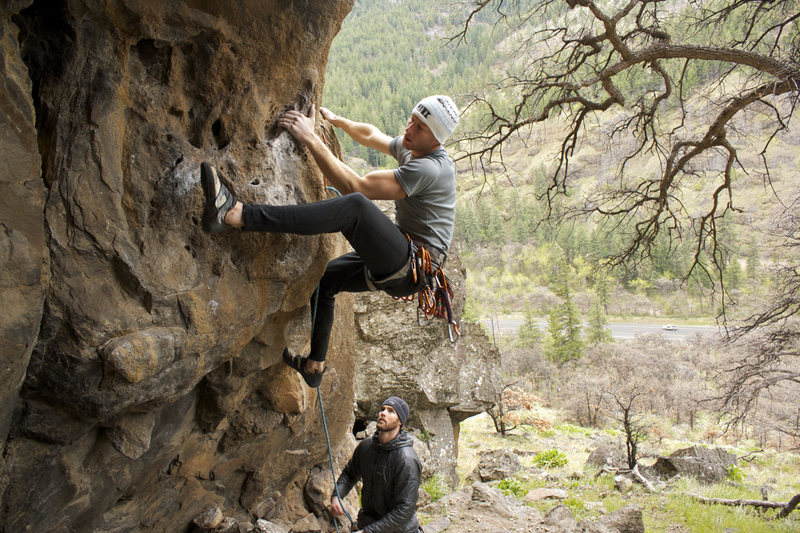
141	378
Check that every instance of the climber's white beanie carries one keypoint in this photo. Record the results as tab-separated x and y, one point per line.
440	114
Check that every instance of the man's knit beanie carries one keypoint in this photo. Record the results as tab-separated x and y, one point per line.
440	114
400	407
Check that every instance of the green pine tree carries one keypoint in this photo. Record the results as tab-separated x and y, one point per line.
529	334
564	342
753	259
597	332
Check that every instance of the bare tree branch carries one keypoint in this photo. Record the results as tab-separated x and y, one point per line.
584	58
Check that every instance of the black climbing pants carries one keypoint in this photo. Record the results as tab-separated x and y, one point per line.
379	247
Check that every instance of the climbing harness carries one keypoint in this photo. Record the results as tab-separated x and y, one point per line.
436	297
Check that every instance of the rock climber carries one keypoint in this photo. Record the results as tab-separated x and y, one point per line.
422	186
390	470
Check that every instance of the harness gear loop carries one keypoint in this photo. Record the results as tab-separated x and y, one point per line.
436	296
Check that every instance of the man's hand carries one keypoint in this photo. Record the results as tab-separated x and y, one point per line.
330	116
299	125
336	509
336	506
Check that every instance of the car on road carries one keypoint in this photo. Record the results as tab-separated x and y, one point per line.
670	327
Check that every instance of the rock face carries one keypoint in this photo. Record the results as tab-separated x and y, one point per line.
443	383
141	375
23	250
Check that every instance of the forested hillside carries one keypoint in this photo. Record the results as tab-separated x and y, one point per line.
391	53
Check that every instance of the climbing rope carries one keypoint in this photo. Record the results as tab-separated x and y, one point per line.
315	298
333	470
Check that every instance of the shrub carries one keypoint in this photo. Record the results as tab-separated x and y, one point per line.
550	459
424	435
512	487
735	473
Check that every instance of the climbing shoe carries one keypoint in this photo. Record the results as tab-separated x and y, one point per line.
298	362
219	200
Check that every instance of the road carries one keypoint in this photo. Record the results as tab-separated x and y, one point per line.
619	330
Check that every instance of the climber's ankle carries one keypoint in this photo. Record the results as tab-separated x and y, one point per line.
314	367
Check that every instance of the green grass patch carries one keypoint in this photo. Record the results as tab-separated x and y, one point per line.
575	430
436	487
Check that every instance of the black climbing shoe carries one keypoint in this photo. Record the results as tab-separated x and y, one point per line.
298	362
219	200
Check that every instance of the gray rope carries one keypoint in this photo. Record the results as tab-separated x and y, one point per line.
325	426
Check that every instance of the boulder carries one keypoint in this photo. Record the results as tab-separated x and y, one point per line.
228	525
561	519
487	497
495	465
265	526
210	518
706	464
307	524
607	455
545	493
623	484
625	520
318	488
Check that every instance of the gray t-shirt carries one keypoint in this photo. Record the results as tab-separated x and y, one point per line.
428	210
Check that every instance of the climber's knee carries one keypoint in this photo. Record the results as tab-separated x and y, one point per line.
358	201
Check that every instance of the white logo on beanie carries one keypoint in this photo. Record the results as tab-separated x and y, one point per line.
440	114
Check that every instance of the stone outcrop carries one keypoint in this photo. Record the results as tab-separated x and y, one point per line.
443	382
142	380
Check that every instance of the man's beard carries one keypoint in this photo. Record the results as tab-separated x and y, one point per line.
385	425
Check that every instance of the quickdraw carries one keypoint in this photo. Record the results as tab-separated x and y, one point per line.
435	298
